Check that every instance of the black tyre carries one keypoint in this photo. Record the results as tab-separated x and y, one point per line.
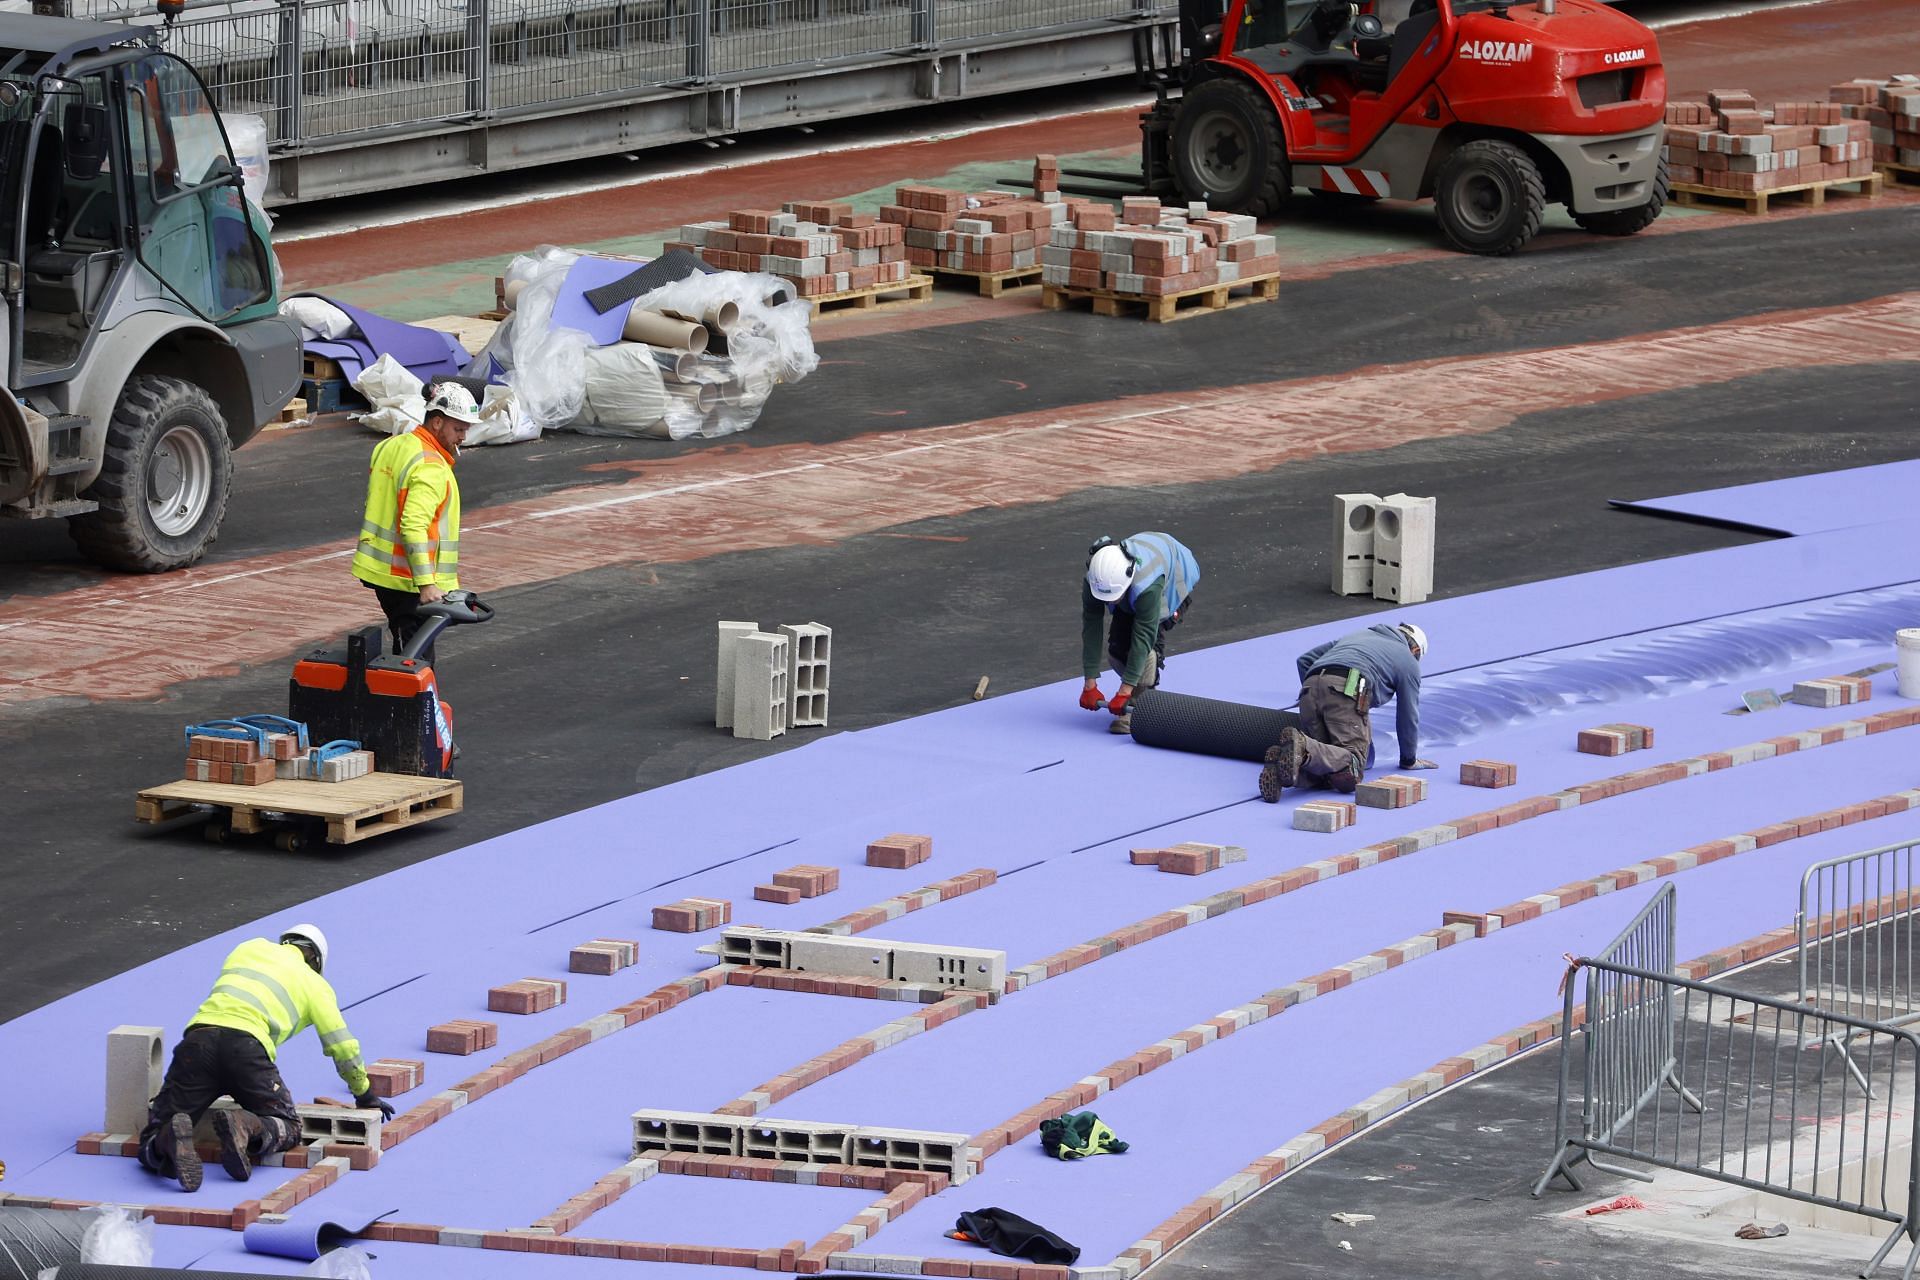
164	481
1490	197
1626	222
1227	149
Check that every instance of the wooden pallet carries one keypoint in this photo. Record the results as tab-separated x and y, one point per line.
472	332
992	283
1900	175
352	811
1755	202
318	368
915	288
1212	297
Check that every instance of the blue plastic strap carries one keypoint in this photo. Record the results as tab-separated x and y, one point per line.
279	724
331	750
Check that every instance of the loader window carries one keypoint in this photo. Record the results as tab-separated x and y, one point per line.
195	233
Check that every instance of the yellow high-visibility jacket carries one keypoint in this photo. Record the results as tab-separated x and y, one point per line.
410	532
267	989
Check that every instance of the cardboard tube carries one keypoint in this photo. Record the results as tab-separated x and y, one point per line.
701	397
722	315
658	330
513	291
681	366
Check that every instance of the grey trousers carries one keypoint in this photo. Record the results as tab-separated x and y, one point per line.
1338	736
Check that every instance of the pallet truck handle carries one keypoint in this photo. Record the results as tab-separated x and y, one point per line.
278	724
229	729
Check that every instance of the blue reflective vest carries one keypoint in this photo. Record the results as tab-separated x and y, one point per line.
1157	556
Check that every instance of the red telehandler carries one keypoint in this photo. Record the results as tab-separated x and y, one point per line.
1494	110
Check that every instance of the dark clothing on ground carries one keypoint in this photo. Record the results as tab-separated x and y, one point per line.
211	1062
1381	655
1129	629
402	622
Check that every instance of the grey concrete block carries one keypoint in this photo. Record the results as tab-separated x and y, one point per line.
723	695
1353	523
1403	549
135	1060
809	666
759	686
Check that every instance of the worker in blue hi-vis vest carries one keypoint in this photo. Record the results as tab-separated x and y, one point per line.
1146	584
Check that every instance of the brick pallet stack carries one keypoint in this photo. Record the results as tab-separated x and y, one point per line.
823	248
1891	109
1149	251
980	231
1730	143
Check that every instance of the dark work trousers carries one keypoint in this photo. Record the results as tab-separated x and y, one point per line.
1339	738
1120	643
402	622
207	1063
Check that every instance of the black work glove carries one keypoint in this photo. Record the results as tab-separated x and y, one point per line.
367	1102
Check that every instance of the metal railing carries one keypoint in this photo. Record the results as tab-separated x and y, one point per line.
323	71
1760	1103
1855	938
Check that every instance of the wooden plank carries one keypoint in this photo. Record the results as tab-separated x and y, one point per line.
1814	194
318	368
439	805
1164	308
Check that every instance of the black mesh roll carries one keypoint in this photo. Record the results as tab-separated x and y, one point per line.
1207	726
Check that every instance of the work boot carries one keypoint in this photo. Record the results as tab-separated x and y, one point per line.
1282	767
237	1131
1121	724
186	1161
1347	780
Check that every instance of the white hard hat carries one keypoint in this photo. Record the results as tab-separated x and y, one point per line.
1417	636
309	933
455	401
1109	571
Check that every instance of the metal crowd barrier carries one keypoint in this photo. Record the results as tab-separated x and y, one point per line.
1856	946
346	74
1758	1102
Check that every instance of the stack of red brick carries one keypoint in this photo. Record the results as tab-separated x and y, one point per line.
603	956
821	246
1831	691
391	1077
795	883
242	762
1191	858
1614	739
1150	251
529	995
1395	791
1732	143
1891	109
462	1036
693	915
984	231
898	852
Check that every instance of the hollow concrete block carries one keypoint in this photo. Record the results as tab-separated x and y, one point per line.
723	695
1403	549
135	1062
1353	520
759	686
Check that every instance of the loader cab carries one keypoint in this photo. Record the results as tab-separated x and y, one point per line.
1345	70
118	193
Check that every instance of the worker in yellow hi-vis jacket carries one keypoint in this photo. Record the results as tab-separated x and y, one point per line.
409	550
267	993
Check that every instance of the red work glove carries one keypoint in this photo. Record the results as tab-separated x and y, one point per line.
1118	703
1090	699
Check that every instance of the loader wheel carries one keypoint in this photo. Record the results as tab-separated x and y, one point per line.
1489	197
1227	149
163	481
1626	222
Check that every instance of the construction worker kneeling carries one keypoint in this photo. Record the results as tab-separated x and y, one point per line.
1146	583
267	993
1340	682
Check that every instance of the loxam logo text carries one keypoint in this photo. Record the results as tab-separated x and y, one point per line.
1497	51
1626	55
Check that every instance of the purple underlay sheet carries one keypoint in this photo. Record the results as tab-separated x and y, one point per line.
427	353
571	310
306	1240
1002	783
1799	504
